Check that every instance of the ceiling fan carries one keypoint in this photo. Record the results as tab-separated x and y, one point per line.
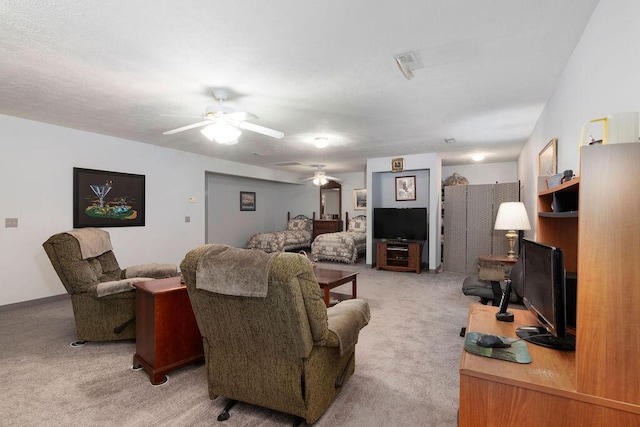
320	177
223	123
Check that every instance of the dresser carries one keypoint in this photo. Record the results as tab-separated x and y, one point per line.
322	226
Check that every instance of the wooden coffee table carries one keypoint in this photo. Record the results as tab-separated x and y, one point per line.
329	279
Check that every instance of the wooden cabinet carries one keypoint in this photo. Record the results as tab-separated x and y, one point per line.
399	256
322	226
167	335
607	362
598	384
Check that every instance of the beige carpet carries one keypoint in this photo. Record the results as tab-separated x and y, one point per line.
407	364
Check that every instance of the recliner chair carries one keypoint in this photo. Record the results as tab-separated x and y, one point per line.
269	339
102	295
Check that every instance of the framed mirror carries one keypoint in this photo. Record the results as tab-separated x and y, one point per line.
330	200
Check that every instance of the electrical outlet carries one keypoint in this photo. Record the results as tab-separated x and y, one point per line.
10	222
187	219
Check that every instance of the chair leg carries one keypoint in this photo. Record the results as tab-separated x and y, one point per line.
341	378
224	415
119	329
298	421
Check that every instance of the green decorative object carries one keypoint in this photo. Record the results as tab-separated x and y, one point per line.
517	353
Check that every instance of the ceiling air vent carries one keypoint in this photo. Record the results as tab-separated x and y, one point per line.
407	62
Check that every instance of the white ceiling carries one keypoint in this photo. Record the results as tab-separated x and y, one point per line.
129	69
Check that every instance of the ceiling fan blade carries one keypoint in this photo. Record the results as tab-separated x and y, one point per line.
260	129
183	128
241	116
333	178
191	126
307	179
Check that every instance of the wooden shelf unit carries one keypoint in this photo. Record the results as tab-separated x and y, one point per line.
559	229
399	256
598	384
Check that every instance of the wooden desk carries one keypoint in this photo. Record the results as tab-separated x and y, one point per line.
329	279
167	336
542	393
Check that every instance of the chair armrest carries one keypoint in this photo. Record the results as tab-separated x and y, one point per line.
345	321
156	271
115	286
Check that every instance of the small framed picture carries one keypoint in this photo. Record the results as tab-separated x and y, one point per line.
397	165
548	159
247	201
360	199
405	188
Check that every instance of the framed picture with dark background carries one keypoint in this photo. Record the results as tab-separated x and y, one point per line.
107	199
247	201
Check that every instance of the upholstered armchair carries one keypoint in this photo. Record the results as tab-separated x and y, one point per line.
102	295
489	284
269	339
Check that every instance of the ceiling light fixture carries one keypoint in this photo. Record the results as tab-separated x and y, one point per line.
477	157
320	180
321	141
222	133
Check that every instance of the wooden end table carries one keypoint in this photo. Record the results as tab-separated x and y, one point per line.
329	279
167	335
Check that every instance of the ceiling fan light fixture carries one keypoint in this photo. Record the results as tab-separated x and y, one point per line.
222	133
321	142
320	180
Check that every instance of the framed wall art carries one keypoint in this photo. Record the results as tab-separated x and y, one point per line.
360	199
247	201
548	159
397	165
405	188
107	199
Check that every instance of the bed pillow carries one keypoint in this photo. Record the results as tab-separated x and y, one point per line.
299	224
358	224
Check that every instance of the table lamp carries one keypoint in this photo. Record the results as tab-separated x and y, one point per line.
512	216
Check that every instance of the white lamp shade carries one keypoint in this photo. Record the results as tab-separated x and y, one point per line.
512	216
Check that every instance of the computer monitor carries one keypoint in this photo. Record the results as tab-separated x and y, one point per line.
544	294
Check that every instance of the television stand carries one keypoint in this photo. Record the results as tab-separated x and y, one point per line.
399	255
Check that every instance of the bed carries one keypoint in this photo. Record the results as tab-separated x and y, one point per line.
344	246
295	237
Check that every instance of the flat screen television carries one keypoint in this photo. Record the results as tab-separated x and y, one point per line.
545	295
400	223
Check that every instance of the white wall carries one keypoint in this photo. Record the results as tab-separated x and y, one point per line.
36	180
601	78
484	173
